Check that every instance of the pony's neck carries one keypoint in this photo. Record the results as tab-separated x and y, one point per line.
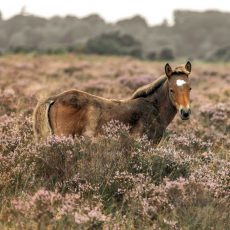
167	110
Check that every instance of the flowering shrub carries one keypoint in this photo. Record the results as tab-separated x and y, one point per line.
217	116
96	86
46	207
116	181
134	82
190	143
114	129
65	181
8	102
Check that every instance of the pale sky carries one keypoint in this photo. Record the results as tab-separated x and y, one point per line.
110	10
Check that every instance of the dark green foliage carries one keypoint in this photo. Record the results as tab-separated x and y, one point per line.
114	44
152	55
222	54
166	54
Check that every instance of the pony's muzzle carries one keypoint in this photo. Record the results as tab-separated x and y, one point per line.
185	113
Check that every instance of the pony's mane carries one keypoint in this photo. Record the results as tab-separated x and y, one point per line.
145	90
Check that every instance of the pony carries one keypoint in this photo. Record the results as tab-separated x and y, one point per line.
148	111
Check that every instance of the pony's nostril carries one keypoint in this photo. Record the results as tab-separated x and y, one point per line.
185	113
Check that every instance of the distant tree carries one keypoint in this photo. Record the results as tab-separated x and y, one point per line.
135	26
152	55
165	23
166	54
222	54
193	34
94	18
23	11
115	44
18	40
3	40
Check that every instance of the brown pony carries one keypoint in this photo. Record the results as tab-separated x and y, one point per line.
149	111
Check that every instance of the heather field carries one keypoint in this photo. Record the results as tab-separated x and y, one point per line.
115	181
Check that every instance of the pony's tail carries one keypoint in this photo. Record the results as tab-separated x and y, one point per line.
41	121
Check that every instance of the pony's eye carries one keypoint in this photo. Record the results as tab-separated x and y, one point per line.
171	91
190	88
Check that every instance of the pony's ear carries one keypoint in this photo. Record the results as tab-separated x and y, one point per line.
188	66
168	70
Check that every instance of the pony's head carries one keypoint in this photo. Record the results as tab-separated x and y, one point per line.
179	88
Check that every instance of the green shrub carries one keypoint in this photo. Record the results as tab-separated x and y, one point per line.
221	54
166	54
114	44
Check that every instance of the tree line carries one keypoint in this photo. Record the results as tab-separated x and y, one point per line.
201	35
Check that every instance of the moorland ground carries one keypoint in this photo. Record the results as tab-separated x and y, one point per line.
117	181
